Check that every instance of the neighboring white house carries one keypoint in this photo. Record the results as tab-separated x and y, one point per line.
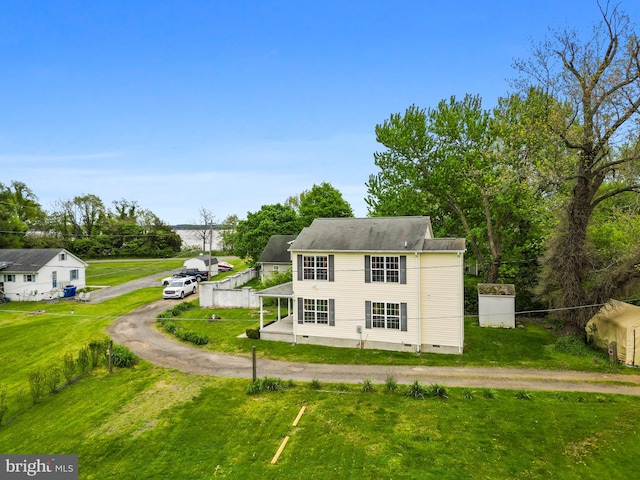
203	263
374	283
39	273
276	257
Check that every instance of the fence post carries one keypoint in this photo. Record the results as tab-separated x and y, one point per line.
110	356
253	353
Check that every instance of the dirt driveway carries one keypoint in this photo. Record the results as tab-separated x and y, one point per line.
138	333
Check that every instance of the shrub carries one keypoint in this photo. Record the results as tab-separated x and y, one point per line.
315	384
270	384
438	391
53	379
489	393
68	367
573	345
390	383
37	384
524	395
253	333
83	360
468	394
97	349
123	357
367	385
416	390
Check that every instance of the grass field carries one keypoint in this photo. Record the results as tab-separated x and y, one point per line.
529	346
147	422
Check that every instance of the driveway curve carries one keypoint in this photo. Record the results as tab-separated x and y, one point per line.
137	332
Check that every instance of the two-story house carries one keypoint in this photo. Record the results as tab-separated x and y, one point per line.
377	283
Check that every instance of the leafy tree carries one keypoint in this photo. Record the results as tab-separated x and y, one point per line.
228	233
322	201
452	164
82	216
253	233
598	81
19	211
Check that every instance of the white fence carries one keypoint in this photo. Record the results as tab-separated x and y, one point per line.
226	294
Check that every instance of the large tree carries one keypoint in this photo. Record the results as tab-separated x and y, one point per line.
322	201
253	233
598	80
19	211
453	164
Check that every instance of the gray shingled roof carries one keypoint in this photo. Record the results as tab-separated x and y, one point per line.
28	259
284	290
276	250
373	234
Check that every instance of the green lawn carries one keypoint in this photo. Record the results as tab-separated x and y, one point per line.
149	422
529	346
110	273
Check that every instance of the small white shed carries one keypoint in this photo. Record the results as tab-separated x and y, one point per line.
497	305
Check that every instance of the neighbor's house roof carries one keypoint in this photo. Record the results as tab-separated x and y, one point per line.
392	234
29	259
277	249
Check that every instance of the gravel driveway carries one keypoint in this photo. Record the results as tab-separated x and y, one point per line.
137	331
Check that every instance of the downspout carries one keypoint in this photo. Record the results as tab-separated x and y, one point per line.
419	323
461	302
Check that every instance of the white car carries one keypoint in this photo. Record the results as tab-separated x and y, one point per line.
180	288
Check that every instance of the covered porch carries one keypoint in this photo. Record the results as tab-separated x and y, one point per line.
283	329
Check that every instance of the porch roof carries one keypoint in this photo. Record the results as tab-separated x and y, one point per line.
284	290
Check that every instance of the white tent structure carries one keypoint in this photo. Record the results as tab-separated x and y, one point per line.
617	322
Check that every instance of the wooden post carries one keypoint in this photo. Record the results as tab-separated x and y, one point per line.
110	356
253	353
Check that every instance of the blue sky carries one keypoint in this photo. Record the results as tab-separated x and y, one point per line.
231	105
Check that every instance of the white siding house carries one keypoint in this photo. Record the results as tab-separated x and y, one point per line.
377	283
276	257
39	273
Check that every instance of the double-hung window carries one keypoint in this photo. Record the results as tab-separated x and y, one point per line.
315	267
29	278
387	315
9	277
318	311
74	275
385	269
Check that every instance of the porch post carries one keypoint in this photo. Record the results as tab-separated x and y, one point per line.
261	314
279	309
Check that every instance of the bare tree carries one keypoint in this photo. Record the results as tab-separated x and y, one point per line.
203	228
598	81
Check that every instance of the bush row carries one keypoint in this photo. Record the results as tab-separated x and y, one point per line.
171	327
415	390
49	380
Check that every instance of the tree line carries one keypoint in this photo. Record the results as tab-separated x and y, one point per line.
83	225
544	186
